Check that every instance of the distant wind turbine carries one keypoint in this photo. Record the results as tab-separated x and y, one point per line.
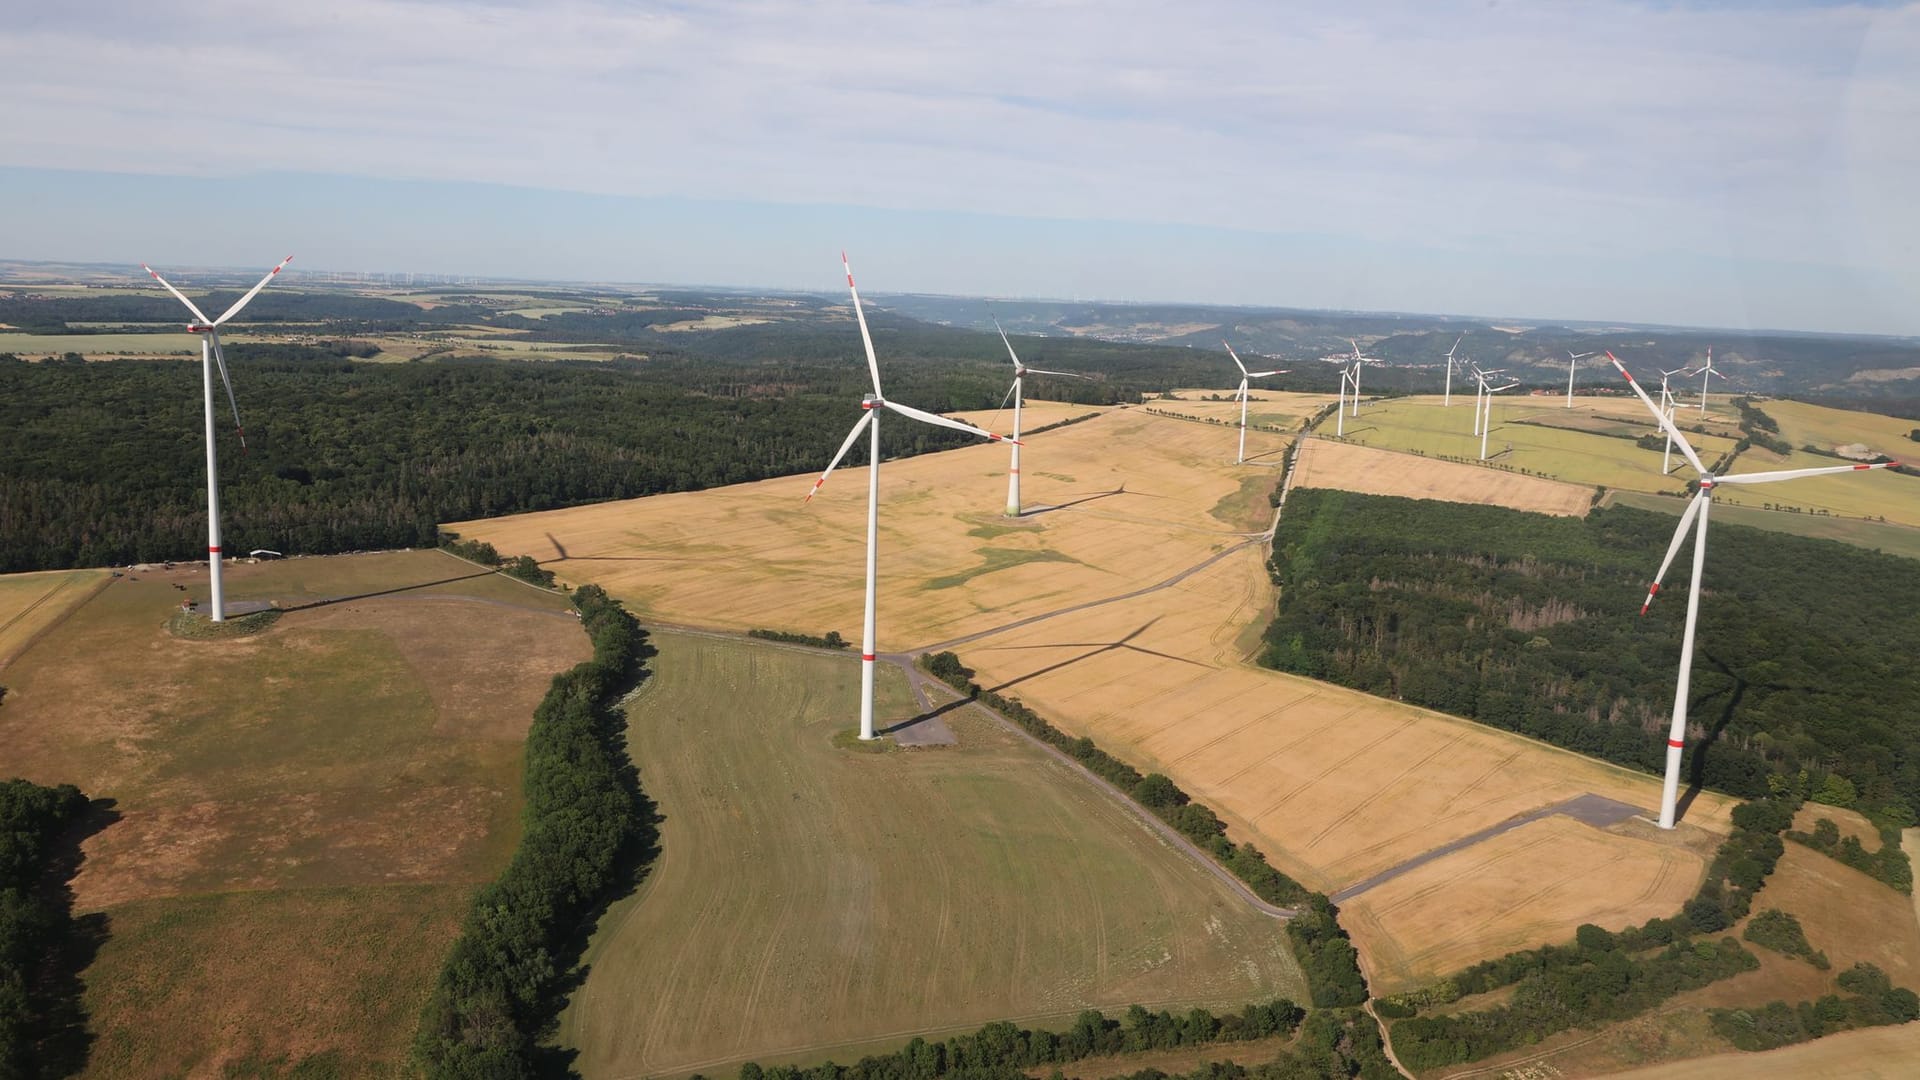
1357	361
1695	517
1486	420
1446	402
210	355
1244	376
1572	359
1020	371
1667	404
1480	378
870	422
1707	374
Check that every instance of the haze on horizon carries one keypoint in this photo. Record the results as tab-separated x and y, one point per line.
1708	163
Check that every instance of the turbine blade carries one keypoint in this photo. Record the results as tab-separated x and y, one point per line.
177	294
1241	394
1686	448
941	421
1673	547
1790	474
873	365
866	417
1064	374
220	361
253	292
996	326
1264	374
1236	358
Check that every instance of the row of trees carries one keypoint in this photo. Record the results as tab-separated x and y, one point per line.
1873	1001
1603	975
1327	957
586	827
1530	623
1889	864
36	923
1342	1043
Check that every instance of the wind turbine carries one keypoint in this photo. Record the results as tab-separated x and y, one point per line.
1572	359
1244	376
1695	517
1486	422
1667	405
1479	394
1707	374
1447	401
870	422
1020	371
210	355
1357	361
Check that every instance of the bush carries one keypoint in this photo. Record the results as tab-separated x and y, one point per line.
1781	932
830	640
35	921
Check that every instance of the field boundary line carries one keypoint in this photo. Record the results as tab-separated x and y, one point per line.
502	573
59	620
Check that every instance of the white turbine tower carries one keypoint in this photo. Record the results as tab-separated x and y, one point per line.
1244	376
1695	517
870	422
1446	401
210	355
1667	401
1572	359
1707	374
1020	371
1486	420
1357	361
1480	391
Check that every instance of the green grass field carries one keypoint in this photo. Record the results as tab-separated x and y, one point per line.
811	902
302	812
1892	539
1541	446
33	346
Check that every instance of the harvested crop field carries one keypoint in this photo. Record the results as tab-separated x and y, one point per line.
1324	463
815	901
269	789
1127	614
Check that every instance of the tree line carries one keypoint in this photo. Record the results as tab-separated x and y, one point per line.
36	925
586	829
1530	623
1333	1043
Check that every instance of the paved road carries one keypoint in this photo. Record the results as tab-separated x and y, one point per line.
1595	810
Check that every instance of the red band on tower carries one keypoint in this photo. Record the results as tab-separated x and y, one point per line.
866	656
1675	743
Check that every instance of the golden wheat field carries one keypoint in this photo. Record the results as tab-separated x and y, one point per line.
1143	591
1350	467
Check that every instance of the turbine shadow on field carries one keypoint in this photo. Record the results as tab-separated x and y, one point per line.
65	1043
1097	648
930	714
558	547
1038	510
635	861
385	592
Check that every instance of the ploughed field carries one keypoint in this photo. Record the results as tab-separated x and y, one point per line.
815	900
1336	786
298	815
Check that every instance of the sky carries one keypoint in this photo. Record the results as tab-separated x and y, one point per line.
1714	163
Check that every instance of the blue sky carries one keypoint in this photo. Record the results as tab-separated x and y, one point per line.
1714	164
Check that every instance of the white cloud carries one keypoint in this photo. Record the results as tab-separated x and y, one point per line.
1607	129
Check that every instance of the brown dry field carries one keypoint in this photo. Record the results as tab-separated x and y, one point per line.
29	603
1517	889
1888	1053
1264	407
1034	414
1352	467
1335	785
1849	822
301	813
1845	913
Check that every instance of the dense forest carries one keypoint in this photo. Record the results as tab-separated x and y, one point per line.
42	1030
1802	680
104	461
